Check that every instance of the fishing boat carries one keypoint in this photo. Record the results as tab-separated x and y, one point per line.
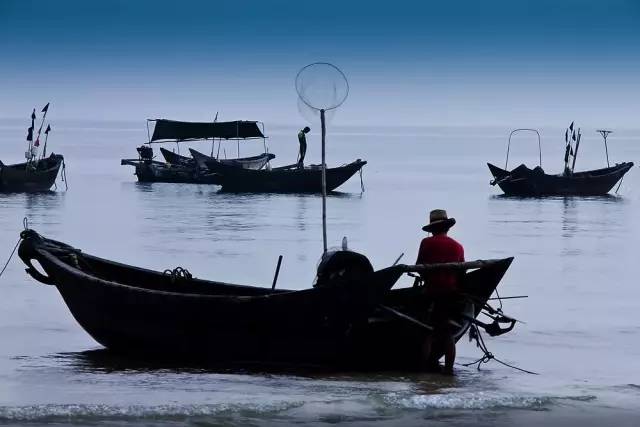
182	169
352	317
38	173
526	182
31	176
254	162
285	179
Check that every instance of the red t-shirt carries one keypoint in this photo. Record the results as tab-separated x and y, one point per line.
438	249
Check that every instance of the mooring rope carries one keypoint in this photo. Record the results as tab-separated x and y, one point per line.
361	181
10	256
63	175
621	179
474	333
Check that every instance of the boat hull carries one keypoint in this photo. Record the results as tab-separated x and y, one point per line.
28	179
289	180
153	171
526	182
147	314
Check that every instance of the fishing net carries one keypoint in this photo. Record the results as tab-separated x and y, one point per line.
321	86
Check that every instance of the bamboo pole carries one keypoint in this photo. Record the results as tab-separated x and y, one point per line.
324	184
468	265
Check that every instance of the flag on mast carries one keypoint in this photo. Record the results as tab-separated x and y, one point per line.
46	108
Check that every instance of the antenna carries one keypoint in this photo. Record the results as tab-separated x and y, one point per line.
605	133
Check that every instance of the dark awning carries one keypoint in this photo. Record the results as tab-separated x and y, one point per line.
171	130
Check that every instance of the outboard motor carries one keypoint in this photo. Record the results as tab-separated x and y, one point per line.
145	152
342	268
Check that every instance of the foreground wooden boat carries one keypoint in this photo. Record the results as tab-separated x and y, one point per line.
288	179
525	182
30	176
349	319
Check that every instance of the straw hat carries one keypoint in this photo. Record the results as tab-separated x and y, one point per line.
438	219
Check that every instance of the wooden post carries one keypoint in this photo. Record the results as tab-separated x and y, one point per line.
324	184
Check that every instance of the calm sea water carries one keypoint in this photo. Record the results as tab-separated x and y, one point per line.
574	257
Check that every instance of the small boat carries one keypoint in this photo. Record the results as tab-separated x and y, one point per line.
525	182
38	173
350	318
176	159
286	179
254	162
182	169
32	176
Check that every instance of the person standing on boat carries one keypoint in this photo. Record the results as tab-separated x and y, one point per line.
302	139
441	287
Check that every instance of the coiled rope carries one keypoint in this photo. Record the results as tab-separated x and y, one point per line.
178	273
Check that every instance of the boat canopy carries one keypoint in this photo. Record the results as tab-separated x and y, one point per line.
172	130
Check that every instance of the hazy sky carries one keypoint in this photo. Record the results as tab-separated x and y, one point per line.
512	62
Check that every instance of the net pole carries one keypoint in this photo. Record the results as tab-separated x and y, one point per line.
324	184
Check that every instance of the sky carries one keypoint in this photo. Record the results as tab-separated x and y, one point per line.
431	63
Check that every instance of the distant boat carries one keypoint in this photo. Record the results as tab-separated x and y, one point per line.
37	173
33	176
254	162
182	169
351	318
286	179
523	181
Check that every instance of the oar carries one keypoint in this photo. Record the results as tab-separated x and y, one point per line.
405	317
275	277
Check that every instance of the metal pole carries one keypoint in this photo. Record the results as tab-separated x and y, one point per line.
324	184
606	149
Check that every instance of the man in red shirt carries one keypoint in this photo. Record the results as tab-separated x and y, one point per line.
441	287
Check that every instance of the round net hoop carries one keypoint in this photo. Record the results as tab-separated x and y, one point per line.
322	86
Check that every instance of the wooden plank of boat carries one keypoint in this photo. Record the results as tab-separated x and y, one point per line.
290	180
154	315
29	177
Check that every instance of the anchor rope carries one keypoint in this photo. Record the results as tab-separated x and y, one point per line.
10	256
474	333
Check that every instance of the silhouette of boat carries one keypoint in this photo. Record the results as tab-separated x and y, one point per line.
351	317
523	181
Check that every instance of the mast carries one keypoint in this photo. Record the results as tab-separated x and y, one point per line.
605	133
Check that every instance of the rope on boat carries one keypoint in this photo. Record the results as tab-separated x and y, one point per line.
361	181
25	223
63	175
474	333
178	273
10	256
621	179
